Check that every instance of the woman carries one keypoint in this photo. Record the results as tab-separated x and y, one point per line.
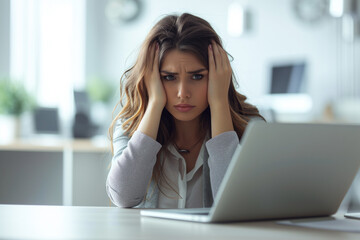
181	122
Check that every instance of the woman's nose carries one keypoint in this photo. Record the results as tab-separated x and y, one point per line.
183	90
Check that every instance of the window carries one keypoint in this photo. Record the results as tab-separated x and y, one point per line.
48	50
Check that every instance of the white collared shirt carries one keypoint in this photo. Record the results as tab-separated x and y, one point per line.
188	185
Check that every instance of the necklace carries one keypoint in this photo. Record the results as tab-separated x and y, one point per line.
186	151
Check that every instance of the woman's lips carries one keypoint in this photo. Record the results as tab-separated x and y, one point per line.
183	107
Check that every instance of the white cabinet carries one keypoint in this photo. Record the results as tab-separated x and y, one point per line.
62	173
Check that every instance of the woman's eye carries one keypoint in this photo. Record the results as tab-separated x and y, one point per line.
197	76
168	77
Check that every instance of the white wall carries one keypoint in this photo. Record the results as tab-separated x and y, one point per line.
277	35
4	38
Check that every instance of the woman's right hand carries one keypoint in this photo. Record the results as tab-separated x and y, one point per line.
154	86
149	124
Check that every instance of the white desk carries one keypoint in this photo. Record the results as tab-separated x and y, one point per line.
65	222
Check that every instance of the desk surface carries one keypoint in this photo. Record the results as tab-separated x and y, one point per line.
61	222
56	145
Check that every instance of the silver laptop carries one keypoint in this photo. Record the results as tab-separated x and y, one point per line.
282	171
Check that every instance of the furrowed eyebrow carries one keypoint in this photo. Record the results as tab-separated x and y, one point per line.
198	71
192	72
170	73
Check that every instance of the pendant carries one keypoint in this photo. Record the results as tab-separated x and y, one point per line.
183	151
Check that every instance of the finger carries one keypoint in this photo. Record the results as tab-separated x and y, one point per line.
153	55
225	58
156	57
149	58
217	55
211	58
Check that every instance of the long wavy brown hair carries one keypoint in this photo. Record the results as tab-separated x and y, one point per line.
185	33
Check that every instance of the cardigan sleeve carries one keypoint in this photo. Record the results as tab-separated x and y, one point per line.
221	149
131	168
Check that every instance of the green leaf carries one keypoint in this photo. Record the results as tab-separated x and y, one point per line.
14	99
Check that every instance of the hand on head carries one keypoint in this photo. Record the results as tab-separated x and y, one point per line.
152	79
219	74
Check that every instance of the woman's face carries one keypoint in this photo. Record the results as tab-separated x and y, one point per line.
185	80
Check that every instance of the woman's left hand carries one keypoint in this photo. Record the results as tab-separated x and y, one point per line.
219	75
218	90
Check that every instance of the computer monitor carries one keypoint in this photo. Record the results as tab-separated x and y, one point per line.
287	78
83	126
82	102
46	120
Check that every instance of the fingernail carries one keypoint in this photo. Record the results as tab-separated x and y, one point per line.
210	46
157	45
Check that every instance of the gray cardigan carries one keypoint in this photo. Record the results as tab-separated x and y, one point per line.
128	180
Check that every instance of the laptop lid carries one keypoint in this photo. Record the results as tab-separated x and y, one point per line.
286	171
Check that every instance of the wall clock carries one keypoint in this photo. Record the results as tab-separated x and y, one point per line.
123	11
310	11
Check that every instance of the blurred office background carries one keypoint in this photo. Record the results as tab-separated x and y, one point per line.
297	60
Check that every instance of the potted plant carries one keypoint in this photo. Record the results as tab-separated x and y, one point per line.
14	100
